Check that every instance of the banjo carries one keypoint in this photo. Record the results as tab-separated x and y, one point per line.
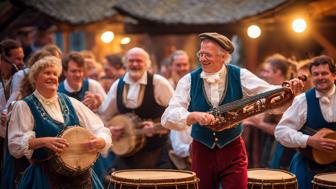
319	156
133	138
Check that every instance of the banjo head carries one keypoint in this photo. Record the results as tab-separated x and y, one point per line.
325	157
131	141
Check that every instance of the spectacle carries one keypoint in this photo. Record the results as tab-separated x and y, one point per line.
206	55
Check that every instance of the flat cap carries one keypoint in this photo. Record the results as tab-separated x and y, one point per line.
223	41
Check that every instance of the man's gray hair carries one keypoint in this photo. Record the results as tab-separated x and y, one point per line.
142	51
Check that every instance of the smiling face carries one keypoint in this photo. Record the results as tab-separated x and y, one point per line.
75	75
211	56
180	65
46	81
136	63
322	77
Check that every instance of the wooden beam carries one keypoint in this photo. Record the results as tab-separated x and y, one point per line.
319	38
321	8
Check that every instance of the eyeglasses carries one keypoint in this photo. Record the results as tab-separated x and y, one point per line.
206	55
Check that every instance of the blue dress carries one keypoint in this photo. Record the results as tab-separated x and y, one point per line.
12	167
7	173
36	175
102	165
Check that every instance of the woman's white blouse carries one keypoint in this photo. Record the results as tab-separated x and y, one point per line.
21	124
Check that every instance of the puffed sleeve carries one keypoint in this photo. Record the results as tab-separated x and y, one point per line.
91	121
20	130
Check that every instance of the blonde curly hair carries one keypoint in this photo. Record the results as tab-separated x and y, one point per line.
41	64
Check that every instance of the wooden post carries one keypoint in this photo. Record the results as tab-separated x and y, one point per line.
251	54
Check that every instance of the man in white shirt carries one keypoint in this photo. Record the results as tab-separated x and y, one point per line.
216	156
11	61
145	95
314	109
76	85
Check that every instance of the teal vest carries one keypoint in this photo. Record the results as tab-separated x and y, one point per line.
79	95
200	103
45	126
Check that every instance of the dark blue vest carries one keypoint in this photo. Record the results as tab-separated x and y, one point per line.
149	109
79	95
45	126
199	102
315	117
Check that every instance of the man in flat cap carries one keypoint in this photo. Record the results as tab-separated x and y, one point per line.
217	157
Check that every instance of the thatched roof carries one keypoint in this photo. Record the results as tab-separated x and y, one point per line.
193	12
70	11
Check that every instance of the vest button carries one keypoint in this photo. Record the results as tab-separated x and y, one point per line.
214	134
216	139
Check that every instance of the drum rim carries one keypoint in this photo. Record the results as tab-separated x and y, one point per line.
322	182
273	182
66	167
166	182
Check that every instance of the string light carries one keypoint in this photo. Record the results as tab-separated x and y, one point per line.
125	40
253	31
299	25
107	37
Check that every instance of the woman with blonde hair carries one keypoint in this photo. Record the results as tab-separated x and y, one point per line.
39	118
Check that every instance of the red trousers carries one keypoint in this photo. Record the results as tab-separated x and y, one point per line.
227	165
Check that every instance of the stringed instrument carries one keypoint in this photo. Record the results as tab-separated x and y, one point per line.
230	114
134	136
322	157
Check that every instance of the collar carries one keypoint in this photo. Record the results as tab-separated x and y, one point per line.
68	88
142	80
45	100
214	77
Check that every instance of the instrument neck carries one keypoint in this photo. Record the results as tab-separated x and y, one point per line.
157	127
307	130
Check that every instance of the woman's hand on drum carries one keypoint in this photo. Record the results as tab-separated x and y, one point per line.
202	118
55	144
117	132
95	144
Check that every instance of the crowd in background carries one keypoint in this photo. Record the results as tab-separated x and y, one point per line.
97	85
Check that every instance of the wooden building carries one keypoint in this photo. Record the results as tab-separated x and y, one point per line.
161	26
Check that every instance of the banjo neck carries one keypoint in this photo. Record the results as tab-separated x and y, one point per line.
157	128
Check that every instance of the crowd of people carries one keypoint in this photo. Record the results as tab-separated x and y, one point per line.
51	92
